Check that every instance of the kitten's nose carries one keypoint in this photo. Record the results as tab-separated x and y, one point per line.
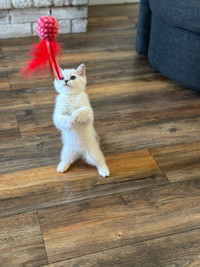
66	81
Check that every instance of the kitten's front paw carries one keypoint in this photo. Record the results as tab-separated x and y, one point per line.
63	166
81	117
104	171
71	124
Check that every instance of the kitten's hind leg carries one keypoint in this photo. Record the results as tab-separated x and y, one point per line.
68	156
96	158
63	166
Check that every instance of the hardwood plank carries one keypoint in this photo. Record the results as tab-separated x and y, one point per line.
129	10
1	54
97	72
94	69
160	90
43	187
70	43
131	114
153	253
8	127
19	61
90	226
111	24
97	41
96	19
179	162
41	96
30	152
39	121
27	98
9	64
96	55
15	50
18	41
157	117
36	122
21	241
17	82
4	84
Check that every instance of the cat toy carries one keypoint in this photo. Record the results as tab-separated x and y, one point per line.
44	53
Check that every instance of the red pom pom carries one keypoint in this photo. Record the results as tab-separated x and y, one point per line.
46	50
47	27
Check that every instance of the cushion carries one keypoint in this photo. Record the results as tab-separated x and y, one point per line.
181	13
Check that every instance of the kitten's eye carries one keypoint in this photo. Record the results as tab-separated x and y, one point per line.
72	77
62	78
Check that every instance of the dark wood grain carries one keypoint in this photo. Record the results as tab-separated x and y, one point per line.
21	241
27	98
36	122
9	127
1	54
153	253
130	11
179	162
44	187
4	84
119	219
31	152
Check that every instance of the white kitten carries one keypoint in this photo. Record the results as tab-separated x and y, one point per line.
73	116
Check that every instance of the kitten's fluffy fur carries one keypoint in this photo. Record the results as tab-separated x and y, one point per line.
73	116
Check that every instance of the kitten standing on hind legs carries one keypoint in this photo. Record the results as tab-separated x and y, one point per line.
73	116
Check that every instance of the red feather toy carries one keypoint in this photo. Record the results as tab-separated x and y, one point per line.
46	50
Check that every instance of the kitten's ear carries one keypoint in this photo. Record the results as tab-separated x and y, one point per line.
81	70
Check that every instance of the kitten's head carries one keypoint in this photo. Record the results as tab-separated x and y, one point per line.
74	81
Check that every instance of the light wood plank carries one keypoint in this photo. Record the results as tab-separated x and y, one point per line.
21	241
91	226
42	187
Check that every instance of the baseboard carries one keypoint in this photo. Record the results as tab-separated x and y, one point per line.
108	2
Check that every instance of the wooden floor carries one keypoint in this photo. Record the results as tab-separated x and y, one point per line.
147	213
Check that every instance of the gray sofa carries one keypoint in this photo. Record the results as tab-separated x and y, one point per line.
169	34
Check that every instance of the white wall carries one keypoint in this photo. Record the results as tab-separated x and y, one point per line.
104	2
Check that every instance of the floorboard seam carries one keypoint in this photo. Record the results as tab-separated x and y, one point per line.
18	126
42	237
149	150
